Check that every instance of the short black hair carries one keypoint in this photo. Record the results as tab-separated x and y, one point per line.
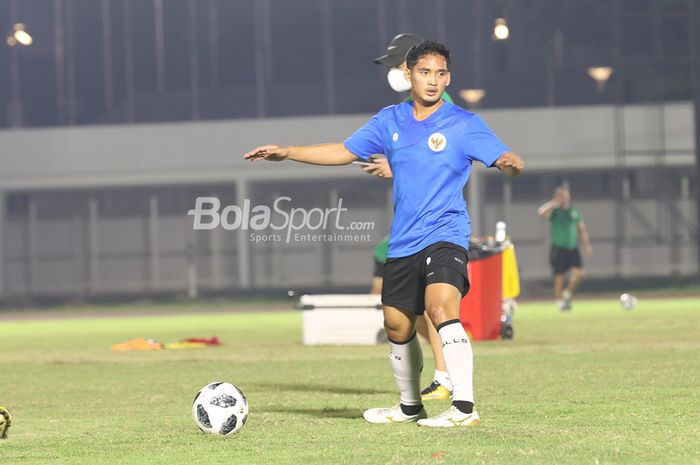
426	47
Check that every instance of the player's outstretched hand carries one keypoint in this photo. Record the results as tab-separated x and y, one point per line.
380	168
510	163
267	152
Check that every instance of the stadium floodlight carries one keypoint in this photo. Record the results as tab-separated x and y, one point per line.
19	35
600	75
500	29
472	96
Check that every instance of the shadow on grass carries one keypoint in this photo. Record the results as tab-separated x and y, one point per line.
308	387
325	412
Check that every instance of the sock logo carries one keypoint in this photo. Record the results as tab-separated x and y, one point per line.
455	341
393	356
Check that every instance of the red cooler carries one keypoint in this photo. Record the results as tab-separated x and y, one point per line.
480	311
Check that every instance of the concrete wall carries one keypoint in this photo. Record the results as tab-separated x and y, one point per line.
103	209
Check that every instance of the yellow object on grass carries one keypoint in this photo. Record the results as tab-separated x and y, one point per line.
150	344
511	277
138	344
5	422
184	345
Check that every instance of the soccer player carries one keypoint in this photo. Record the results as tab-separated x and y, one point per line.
431	145
440	387
380	254
565	258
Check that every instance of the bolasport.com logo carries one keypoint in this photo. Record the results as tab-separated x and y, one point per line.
286	222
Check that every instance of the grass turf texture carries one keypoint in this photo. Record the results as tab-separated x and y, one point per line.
598	385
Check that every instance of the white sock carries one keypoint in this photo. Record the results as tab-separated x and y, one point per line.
459	359
407	364
443	378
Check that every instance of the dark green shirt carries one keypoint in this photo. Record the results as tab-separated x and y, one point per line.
565	227
382	250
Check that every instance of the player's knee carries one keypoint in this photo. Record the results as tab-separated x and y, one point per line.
398	332
437	313
391	327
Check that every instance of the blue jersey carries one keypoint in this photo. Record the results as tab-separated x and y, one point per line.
431	161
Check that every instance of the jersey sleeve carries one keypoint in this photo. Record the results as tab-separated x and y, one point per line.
367	140
480	143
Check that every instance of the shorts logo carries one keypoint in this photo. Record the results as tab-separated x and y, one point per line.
437	142
459	260
427	261
395	137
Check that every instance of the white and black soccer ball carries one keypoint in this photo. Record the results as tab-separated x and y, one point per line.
220	408
628	301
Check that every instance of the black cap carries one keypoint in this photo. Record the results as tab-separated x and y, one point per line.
397	49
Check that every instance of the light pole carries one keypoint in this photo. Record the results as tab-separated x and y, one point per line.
695	77
600	75
472	96
500	29
500	35
18	37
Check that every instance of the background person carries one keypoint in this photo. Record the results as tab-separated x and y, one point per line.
380	254
567	229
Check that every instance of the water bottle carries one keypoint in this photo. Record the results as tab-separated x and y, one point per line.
500	232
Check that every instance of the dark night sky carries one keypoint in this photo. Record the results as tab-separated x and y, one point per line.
248	58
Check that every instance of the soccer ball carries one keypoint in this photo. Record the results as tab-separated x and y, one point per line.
220	408
628	301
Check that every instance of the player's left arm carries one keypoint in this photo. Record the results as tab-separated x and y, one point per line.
510	164
583	235
480	143
379	167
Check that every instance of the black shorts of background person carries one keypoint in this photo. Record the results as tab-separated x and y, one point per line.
562	259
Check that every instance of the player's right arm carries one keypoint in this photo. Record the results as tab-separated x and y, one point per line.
545	211
322	154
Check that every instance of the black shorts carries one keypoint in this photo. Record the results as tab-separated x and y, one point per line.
378	269
406	278
562	260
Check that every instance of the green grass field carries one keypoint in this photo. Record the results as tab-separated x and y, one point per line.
597	386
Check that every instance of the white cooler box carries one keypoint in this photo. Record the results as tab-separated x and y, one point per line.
342	319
